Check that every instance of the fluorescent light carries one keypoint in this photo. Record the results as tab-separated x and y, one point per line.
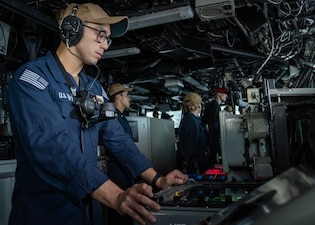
121	52
162	17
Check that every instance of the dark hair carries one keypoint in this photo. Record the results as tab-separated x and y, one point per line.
112	98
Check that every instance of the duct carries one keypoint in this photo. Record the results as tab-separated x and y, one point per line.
138	97
140	89
120	52
194	82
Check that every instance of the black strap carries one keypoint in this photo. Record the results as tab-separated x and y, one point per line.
73	91
66	76
155	178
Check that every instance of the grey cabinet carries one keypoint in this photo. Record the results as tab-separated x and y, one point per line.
7	171
156	139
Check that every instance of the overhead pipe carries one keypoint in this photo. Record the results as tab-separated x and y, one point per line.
249	54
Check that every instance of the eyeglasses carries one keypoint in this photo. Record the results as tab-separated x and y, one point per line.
101	35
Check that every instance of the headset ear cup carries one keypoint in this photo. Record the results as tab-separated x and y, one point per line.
71	30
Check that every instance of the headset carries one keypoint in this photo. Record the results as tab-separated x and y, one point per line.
71	28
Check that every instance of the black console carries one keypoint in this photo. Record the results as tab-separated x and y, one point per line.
202	197
287	199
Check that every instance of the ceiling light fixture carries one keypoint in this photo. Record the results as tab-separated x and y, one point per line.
120	52
214	9
162	17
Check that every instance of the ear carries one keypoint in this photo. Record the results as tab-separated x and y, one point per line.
118	96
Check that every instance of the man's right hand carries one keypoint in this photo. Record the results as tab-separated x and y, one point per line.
135	201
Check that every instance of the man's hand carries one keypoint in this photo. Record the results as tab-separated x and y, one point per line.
135	201
175	177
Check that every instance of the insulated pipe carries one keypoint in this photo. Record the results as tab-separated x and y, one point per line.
236	51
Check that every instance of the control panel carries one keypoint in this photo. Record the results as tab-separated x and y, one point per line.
200	198
204	194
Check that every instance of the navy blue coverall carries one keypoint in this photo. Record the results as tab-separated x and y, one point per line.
211	118
57	160
193	145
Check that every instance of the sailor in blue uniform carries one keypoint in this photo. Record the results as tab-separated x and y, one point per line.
57	118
